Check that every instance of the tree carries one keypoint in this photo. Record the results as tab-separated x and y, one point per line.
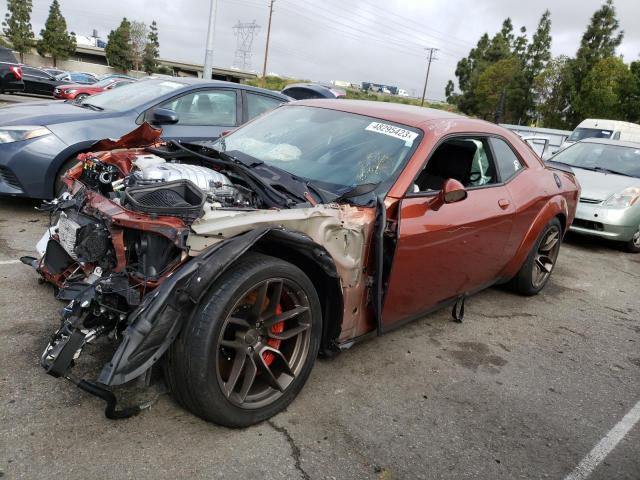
138	39
448	92
118	49
501	87
151	50
17	26
599	41
603	89
551	92
632	94
55	40
539	50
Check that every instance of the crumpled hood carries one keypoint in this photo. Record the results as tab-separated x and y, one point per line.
600	185
45	113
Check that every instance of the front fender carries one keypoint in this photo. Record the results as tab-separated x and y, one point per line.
155	324
556	206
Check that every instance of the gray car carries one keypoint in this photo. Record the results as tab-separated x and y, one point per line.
609	174
40	140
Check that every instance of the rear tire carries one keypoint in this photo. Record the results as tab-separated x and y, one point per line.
228	333
633	245
536	270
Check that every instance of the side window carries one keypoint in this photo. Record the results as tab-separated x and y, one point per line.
616	136
257	104
205	107
507	161
301	93
466	159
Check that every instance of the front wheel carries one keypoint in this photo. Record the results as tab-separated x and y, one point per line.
80	98
633	245
535	272
250	345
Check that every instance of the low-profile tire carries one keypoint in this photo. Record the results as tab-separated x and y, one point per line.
537	269
237	364
59	187
633	245
80	98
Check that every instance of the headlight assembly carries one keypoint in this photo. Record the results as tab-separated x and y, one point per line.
623	199
20	133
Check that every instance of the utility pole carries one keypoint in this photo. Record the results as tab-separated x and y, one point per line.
424	91
208	55
266	48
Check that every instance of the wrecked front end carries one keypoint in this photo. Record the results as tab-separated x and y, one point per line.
143	232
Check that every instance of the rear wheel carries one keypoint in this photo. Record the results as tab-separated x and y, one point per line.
250	346
535	272
633	245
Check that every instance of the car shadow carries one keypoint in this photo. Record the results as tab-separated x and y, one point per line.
593	243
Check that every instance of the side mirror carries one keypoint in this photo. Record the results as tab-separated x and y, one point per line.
163	116
452	191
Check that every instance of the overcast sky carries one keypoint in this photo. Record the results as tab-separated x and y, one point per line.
355	40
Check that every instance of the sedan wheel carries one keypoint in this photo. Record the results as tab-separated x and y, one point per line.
536	270
633	245
250	345
545	257
263	346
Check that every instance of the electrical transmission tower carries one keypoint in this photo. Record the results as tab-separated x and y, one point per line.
244	32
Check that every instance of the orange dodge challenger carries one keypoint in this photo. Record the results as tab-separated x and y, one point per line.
232	263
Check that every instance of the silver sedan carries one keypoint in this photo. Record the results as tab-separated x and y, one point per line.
609	174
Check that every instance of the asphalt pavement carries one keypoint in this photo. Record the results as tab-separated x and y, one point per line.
524	388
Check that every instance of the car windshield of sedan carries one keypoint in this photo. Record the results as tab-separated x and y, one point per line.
582	133
134	94
619	159
330	147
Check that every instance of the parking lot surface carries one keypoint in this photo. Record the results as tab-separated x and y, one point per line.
524	388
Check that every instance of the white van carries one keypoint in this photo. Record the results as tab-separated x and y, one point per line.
599	128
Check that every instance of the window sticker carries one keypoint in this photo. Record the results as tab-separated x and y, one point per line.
396	132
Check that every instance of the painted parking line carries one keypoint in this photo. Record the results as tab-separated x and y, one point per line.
9	262
606	445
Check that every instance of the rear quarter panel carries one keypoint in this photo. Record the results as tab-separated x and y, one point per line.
539	194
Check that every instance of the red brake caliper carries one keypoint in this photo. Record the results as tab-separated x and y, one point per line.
273	342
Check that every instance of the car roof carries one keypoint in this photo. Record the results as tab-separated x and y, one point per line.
191	81
410	115
608	141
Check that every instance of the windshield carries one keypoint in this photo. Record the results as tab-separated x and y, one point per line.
132	95
333	149
582	133
600	156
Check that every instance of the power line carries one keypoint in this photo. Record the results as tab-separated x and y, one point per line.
266	47
244	32
424	92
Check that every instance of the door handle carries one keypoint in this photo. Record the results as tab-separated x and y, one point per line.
503	203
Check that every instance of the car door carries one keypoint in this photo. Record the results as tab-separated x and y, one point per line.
43	83
202	114
444	251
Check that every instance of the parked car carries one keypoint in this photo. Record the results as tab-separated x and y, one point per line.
79	92
10	72
609	173
39	82
306	91
602	128
82	78
40	140
312	227
116	75
54	71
